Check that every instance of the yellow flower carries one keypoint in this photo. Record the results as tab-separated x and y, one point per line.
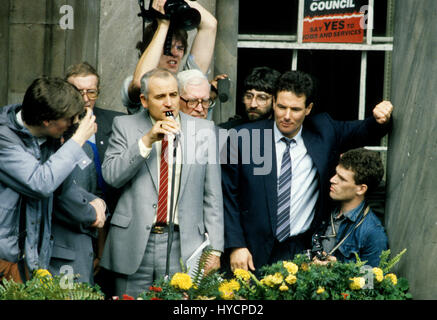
291	279
182	281
43	273
283	287
320	290
379	275
291	267
227	288
392	277
272	280
304	266
357	283
242	274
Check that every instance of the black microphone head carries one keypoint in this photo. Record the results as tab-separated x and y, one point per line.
169	114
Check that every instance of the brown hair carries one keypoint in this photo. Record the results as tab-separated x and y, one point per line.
81	69
179	34
366	165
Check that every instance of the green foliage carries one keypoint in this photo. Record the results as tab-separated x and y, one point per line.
299	279
48	288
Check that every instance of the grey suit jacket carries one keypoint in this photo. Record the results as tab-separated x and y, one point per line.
200	202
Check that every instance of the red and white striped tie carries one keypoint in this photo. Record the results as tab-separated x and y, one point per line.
161	216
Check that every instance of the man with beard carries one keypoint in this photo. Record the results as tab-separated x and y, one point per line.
257	98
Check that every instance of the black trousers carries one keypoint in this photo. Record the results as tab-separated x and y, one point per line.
286	250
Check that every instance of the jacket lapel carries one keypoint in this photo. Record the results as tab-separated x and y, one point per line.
189	137
152	160
270	180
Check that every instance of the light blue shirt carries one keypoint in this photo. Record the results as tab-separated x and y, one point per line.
304	182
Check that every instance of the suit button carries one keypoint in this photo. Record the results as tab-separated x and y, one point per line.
154	206
148	227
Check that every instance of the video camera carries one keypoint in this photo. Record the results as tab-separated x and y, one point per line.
180	14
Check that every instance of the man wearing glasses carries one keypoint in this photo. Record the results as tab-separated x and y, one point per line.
258	91
74	247
195	97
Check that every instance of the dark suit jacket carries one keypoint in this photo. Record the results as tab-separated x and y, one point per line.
104	119
72	239
250	201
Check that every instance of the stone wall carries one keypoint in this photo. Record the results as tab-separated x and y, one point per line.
411	211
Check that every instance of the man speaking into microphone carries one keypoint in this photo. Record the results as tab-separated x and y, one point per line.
139	159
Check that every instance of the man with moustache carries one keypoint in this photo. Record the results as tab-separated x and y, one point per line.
258	90
271	217
139	159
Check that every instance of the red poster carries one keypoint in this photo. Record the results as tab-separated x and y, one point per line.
334	21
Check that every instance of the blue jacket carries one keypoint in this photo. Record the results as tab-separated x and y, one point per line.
368	240
29	176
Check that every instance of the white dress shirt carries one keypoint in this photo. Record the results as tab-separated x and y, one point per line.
145	152
304	182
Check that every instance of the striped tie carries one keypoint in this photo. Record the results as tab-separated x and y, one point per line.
161	216
284	194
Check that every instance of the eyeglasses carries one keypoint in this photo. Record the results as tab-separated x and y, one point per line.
92	94
193	103
261	99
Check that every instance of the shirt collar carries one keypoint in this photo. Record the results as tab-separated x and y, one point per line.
354	213
278	134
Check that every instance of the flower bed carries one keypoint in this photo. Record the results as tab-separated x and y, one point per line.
292	280
299	279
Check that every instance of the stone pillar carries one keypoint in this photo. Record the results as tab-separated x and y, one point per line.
226	52
411	212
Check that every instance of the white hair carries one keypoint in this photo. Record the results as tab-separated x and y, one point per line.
191	77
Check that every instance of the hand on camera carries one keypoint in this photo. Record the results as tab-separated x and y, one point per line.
327	259
87	127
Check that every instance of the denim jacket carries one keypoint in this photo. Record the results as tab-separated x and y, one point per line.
29	175
368	240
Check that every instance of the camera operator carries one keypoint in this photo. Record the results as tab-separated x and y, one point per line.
352	226
153	56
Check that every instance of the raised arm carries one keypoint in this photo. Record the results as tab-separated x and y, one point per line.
204	42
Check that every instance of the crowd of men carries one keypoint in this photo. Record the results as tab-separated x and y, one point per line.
122	199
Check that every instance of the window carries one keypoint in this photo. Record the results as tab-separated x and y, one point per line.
351	78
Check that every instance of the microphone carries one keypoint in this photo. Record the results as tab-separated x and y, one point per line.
169	114
223	89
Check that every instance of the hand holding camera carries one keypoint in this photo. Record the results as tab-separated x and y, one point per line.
86	128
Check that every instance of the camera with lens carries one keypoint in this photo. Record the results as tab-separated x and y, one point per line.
317	248
180	14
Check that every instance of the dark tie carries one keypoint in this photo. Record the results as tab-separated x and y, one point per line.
161	216
284	190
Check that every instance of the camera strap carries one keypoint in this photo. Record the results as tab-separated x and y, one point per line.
363	213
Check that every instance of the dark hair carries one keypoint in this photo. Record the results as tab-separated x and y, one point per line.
50	99
297	82
262	79
81	69
366	165
179	34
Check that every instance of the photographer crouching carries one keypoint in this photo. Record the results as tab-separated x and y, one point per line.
352	227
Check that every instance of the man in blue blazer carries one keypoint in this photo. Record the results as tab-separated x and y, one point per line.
256	234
